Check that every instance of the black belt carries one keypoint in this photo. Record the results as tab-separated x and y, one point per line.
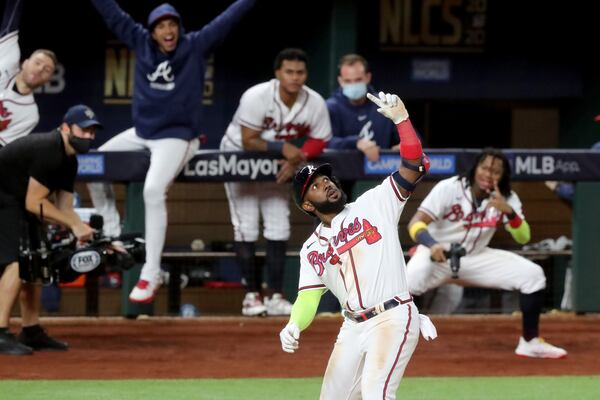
373	311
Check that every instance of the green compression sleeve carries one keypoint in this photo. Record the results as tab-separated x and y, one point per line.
522	234
305	307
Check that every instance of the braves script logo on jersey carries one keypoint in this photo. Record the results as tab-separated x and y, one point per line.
488	217
288	131
4	116
350	236
164	71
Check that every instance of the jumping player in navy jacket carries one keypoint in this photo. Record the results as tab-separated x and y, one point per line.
166	111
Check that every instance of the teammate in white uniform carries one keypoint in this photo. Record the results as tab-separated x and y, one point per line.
355	252
270	116
18	111
466	209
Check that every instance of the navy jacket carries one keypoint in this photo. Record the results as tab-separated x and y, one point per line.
350	123
167	96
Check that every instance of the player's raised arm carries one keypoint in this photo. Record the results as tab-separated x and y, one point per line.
119	22
11	16
415	163
213	33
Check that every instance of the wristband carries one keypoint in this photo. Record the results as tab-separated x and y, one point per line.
415	228
514	220
403	183
424	238
275	147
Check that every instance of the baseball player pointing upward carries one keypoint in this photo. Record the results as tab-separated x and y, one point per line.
354	252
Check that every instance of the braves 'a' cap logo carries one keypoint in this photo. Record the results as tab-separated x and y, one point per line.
311	169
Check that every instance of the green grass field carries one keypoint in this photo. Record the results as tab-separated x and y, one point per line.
505	388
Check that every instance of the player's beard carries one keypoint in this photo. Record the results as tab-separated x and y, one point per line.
331	207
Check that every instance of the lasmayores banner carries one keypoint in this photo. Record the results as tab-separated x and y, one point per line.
216	166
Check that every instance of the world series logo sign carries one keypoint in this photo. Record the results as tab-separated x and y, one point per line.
440	164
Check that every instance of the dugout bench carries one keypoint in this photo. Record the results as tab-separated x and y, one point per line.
554	263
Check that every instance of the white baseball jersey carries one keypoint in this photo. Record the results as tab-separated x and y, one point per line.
261	109
359	258
458	219
18	114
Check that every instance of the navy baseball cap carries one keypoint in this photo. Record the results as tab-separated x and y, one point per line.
305	176
165	10
82	116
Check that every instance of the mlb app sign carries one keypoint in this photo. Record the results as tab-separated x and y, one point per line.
440	164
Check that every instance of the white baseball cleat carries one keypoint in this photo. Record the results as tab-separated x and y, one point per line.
252	305
538	348
278	305
144	291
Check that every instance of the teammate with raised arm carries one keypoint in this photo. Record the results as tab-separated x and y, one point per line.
167	114
466	209
355	252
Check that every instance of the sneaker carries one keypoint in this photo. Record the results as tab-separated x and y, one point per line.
144	291
10	345
252	305
278	305
37	338
538	348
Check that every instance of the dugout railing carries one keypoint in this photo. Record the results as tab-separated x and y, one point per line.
581	166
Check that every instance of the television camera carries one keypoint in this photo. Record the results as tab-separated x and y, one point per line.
57	257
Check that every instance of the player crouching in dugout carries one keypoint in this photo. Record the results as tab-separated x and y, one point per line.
464	211
32	169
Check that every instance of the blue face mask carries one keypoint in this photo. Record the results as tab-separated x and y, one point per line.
355	91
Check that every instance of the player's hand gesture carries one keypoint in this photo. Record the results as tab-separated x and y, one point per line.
289	337
390	106
498	201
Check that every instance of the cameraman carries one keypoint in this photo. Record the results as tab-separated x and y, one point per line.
32	169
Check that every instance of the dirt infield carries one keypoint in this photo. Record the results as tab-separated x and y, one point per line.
242	347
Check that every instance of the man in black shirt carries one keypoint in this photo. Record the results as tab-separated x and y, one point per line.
31	170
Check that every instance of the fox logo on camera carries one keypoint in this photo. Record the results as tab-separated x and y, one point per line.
85	261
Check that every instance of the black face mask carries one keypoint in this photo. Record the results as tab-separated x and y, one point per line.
80	145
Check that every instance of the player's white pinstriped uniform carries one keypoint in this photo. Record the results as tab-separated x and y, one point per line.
360	260
18	113
261	109
457	219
